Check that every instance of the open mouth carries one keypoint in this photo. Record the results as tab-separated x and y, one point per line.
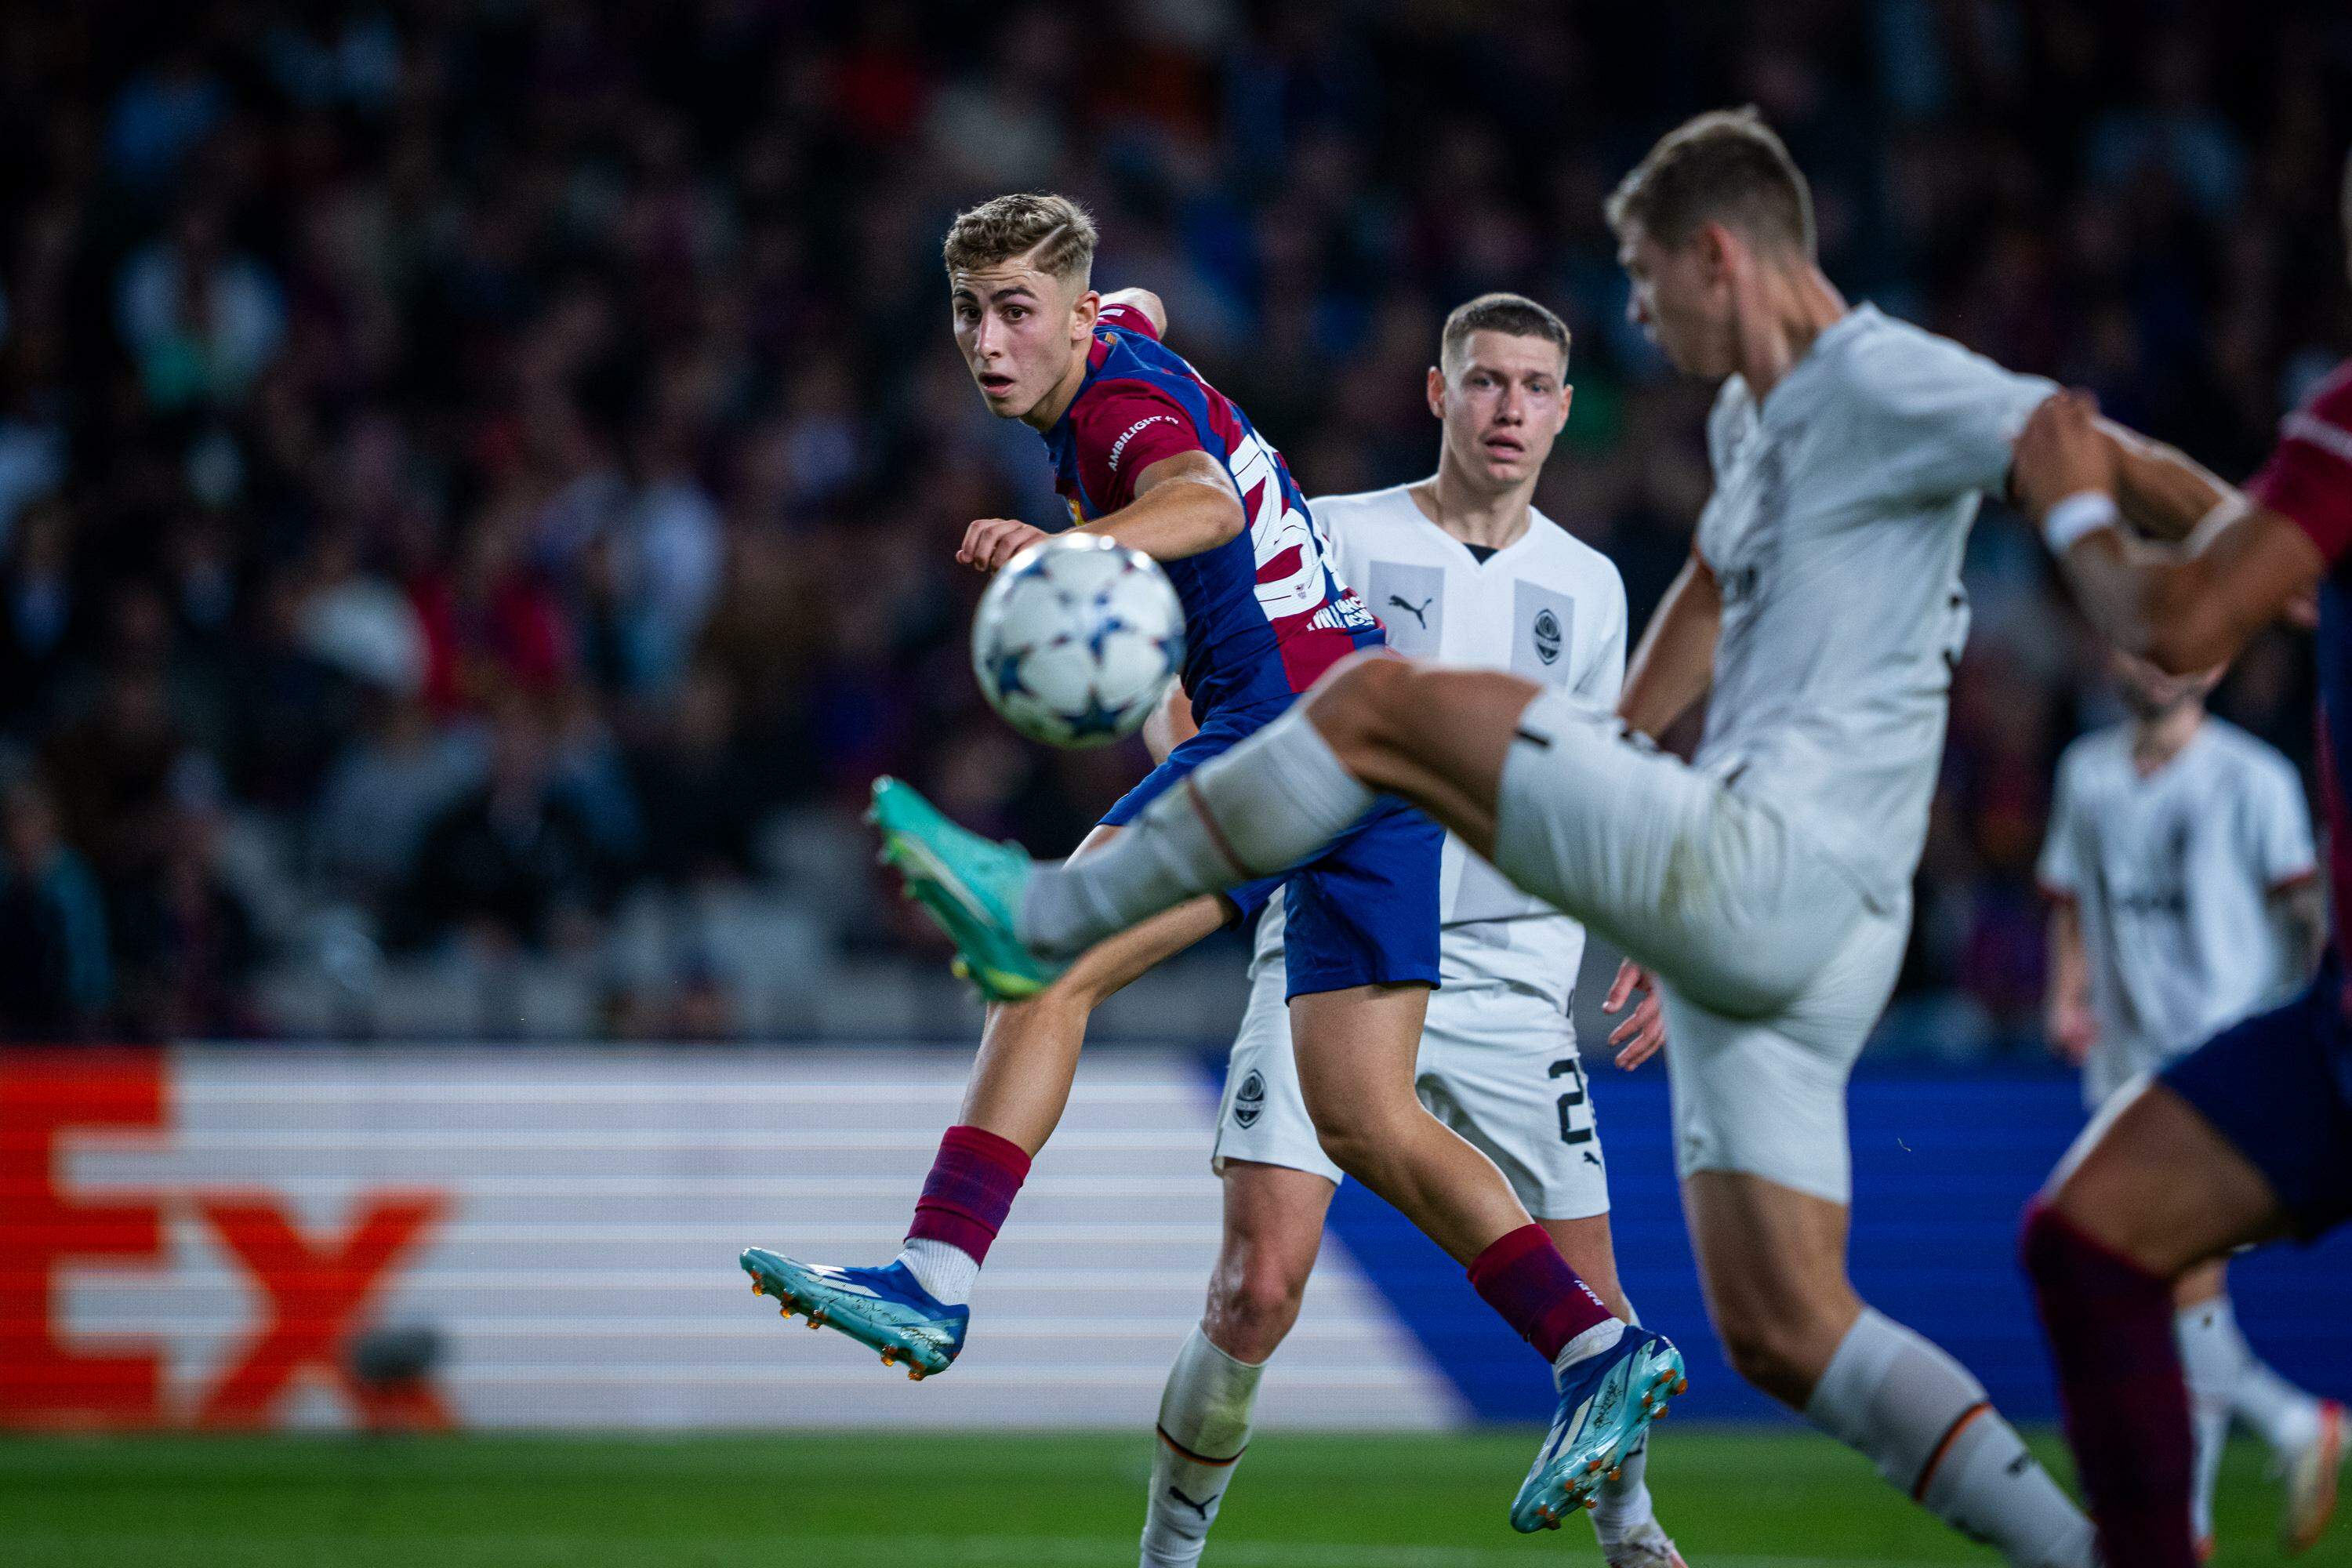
1505	447
995	383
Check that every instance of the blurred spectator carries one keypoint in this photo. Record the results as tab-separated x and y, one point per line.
520	451
59	976
514	862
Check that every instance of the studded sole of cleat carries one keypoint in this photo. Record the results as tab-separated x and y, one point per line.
788	1304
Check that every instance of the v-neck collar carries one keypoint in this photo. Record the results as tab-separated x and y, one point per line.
1430	523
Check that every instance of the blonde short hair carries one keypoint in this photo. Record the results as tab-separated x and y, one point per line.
1055	234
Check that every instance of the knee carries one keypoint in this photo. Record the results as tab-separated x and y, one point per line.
1354	707
1771	1355
1356	1143
1253	1305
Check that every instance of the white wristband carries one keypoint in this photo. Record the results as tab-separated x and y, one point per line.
2085	512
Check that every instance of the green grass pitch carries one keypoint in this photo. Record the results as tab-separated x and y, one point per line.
1736	1497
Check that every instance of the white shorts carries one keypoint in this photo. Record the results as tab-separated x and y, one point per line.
1715	890
1767	1095
1773	968
1497	1064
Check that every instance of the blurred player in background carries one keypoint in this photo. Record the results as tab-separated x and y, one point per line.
1459	566
2248	1138
2184	897
1150	454
1768	885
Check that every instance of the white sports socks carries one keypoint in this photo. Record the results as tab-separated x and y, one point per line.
1204	1424
1625	1505
947	1272
2286	1417
2212	1356
1262	808
1924	1421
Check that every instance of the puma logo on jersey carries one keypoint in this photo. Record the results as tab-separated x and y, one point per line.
1419	612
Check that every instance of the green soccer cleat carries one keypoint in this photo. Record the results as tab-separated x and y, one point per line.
971	885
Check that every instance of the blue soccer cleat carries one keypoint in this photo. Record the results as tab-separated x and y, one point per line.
971	885
883	1308
1607	1402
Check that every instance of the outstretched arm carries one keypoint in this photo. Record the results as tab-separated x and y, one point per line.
2182	610
1674	664
1183	505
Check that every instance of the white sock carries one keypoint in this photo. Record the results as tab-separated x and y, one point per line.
1923	1420
2286	1417
1624	1506
1204	1424
947	1272
2212	1357
1267	805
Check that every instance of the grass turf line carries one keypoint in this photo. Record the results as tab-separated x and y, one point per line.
1734	1497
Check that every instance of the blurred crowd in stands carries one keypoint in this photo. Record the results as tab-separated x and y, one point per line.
478	479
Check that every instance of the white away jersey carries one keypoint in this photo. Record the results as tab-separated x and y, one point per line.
1549	607
1842	505
2173	875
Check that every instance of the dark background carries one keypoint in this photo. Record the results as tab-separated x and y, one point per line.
479	482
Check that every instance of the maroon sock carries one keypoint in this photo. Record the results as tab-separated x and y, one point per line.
2119	1382
971	1186
1523	1277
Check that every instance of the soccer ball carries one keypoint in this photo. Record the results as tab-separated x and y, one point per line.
1077	640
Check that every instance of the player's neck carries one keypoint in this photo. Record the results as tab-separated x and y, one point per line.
1491	520
1787	308
2156	742
1056	403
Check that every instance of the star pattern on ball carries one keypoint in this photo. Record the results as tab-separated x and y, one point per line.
1094	719
1004	673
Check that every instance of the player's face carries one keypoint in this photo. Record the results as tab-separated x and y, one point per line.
1682	298
1021	332
2151	694
1503	401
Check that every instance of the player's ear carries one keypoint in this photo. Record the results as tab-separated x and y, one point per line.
1717	250
1437	391
1084	313
1567	396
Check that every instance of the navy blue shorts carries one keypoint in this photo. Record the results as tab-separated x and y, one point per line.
1363	913
2279	1086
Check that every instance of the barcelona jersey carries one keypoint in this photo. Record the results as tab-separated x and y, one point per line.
1265	613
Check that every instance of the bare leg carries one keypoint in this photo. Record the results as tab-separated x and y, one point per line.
1356	1050
1028	1057
1772	1265
1772	1262
1272	1229
2157	1185
1432	736
2149	1193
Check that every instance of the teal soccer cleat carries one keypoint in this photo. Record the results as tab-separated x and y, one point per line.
971	885
881	1308
1607	1402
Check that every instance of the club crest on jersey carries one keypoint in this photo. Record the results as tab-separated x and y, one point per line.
1547	638
1249	1101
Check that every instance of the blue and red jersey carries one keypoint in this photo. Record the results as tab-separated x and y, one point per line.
1265	613
2308	481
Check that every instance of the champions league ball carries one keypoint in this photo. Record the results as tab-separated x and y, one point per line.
1077	640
